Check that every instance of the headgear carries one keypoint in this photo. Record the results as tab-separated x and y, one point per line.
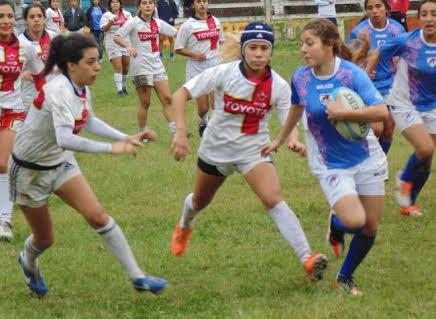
257	31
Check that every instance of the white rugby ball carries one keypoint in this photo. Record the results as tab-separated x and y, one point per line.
353	131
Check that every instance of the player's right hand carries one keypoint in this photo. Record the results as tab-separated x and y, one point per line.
132	52
180	147
123	148
198	56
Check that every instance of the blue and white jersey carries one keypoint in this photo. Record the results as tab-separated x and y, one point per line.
315	92
385	70
414	84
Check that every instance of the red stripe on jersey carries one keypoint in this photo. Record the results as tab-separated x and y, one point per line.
211	34
39	100
8	117
151	36
10	65
81	122
121	19
44	43
57	19
254	110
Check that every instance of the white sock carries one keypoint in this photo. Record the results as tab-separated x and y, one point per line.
5	203
114	240
172	127
31	254
189	213
291	230
124	80
118	78
205	118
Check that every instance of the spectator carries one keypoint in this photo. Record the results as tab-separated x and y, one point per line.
327	10
93	15
75	17
168	12
399	11
19	21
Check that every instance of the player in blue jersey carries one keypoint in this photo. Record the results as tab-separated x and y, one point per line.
413	102
351	173
380	29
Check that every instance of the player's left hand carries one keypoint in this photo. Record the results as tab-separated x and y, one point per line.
334	109
137	139
270	147
27	75
296	146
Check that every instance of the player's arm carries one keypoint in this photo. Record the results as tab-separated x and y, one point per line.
180	147
121	35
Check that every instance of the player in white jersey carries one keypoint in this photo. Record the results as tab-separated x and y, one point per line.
111	21
147	70
413	102
246	93
199	39
351	173
40	38
43	153
54	20
15	55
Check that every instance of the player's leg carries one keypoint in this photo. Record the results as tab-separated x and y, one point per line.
7	138
264	181
77	193
125	63
144	96
118	76
207	181
202	109
163	92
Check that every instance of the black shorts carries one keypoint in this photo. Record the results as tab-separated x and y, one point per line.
207	168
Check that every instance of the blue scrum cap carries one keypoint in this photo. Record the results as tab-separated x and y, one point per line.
257	31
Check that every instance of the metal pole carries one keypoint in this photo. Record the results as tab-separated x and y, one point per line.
268	6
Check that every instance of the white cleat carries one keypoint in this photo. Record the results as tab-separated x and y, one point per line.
6	231
403	192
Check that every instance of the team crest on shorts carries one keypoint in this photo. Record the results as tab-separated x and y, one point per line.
326	98
431	61
408	117
332	180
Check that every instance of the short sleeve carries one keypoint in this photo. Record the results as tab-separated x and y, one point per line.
365	88
61	108
34	63
394	46
295	97
166	29
205	82
126	29
221	36
104	20
182	37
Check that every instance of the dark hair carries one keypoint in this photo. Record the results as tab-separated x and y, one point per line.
7	3
67	48
385	2
31	6
138	3
49	3
327	31
422	3
110	2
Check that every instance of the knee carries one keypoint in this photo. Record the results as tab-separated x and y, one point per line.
167	100
425	152
370	229
356	222
272	201
96	217
145	105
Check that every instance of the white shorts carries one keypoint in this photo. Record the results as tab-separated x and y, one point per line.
194	68
148	80
367	178
406	117
32	188
227	169
115	51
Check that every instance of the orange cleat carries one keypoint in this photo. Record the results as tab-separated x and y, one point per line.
315	266
403	192
412	210
180	240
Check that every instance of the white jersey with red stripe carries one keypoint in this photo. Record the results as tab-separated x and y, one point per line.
53	20
144	37
16	55
238	128
59	103
201	36
120	19
42	46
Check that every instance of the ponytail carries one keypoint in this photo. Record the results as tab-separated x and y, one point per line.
360	48
67	48
230	50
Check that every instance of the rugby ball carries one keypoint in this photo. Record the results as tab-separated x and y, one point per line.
353	131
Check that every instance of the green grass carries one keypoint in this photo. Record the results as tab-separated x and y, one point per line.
238	265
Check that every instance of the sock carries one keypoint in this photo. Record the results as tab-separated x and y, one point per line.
291	230
124	81
385	145
160	54
359	247
114	240
31	254
172	55
337	226
411	171
5	203
418	184
142	129
189	213
172	127
118	78
204	118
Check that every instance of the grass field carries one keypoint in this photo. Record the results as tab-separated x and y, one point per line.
238	265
